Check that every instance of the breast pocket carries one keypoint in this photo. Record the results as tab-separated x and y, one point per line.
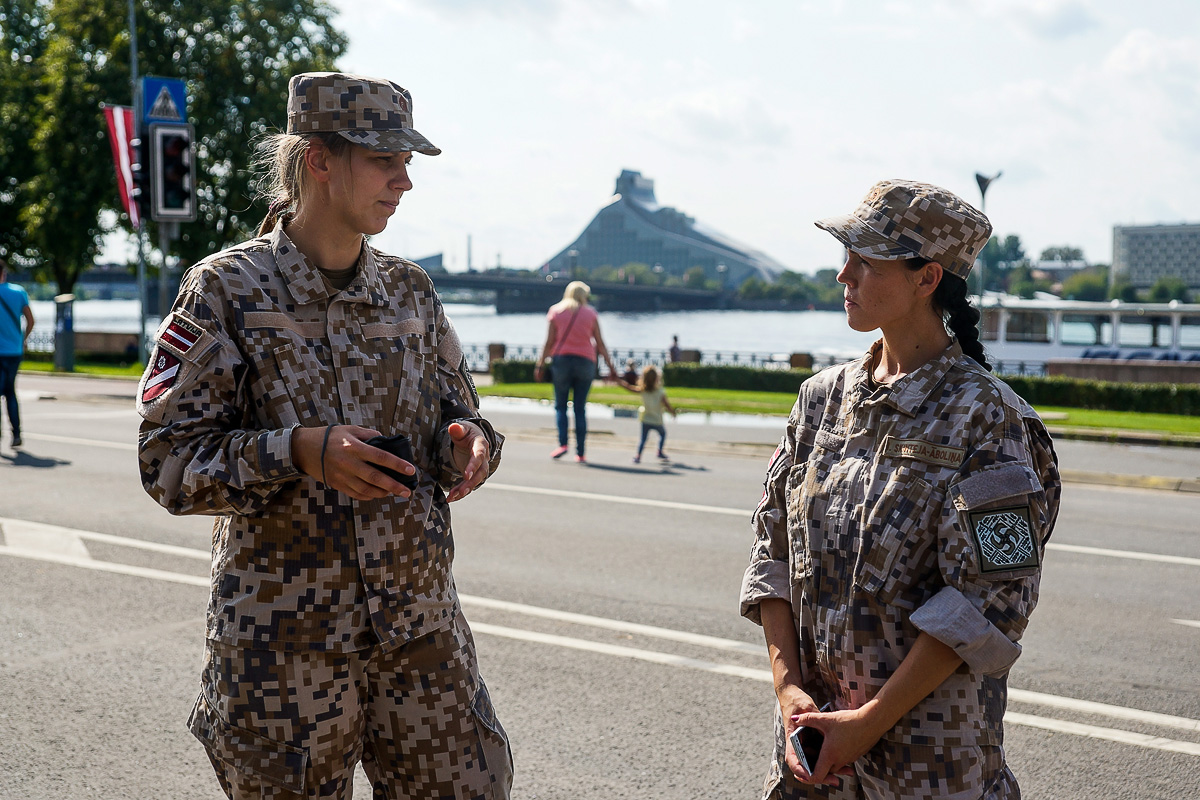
899	544
300	389
411	395
797	523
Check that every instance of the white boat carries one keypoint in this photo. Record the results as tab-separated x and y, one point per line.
1022	335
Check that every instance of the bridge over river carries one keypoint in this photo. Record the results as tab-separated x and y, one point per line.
515	295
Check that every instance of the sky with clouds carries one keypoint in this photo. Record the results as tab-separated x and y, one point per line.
760	116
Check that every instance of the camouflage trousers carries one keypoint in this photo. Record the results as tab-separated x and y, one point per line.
290	725
898	771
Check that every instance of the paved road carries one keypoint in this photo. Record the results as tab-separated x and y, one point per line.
657	690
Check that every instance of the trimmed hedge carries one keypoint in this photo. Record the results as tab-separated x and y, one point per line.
1158	398
1155	398
721	376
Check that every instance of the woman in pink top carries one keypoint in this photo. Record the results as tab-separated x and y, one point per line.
572	342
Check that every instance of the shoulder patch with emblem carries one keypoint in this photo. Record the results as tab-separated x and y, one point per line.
1004	539
163	372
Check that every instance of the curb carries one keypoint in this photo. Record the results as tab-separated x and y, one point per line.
1113	436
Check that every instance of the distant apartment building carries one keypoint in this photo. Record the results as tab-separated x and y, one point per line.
1144	253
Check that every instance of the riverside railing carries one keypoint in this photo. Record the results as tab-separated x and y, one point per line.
478	356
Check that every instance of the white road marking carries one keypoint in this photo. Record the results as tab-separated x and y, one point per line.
49	437
1130	554
126	412
40	536
733	512
624	652
50	549
617	625
741	512
106	566
1189	622
1103	709
614	498
764	676
1108	734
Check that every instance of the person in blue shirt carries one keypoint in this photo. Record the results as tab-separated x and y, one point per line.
14	304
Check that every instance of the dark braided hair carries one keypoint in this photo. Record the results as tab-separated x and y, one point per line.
960	316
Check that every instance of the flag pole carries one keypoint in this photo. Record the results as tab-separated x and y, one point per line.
143	351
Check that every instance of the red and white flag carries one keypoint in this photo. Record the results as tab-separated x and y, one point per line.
120	133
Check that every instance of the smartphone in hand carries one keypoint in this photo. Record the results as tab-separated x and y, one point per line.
400	446
806	742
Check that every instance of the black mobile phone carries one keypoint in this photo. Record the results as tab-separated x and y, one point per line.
401	447
806	742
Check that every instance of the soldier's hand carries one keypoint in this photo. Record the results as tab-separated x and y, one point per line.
471	453
346	463
794	701
848	736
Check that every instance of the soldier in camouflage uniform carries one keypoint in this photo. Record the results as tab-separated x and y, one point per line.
898	545
334	631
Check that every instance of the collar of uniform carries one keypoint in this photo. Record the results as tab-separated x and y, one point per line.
910	392
306	283
366	287
303	279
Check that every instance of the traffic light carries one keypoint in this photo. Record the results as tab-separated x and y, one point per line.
141	177
174	196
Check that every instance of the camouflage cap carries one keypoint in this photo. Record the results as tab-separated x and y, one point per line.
371	112
906	219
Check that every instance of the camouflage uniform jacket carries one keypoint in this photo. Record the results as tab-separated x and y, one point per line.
257	345
920	506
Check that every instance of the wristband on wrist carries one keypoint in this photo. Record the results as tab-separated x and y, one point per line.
324	445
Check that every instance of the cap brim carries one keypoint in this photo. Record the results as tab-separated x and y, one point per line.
860	238
396	140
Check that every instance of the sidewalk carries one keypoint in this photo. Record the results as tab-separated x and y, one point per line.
1117	458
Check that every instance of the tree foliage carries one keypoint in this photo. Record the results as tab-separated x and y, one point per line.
236	58
1169	288
1086	285
1062	253
23	34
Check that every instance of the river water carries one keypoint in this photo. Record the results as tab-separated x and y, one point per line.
824	334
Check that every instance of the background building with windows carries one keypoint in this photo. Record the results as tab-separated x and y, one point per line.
634	228
1142	254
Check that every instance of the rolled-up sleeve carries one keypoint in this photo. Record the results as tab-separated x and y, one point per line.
768	574
459	403
999	514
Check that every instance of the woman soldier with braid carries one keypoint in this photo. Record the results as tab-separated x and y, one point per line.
898	545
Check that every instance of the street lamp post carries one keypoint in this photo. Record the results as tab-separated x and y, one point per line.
983	182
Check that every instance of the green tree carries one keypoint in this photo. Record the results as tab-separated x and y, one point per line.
1086	285
1062	253
236	58
1169	288
23	34
1124	291
695	278
753	288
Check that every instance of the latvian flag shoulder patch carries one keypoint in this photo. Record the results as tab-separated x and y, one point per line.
162	375
180	335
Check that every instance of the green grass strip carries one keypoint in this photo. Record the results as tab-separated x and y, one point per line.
728	401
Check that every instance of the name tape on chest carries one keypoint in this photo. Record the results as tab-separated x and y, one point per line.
1004	539
922	450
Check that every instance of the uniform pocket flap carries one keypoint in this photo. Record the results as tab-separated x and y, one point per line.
829	440
246	751
993	485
